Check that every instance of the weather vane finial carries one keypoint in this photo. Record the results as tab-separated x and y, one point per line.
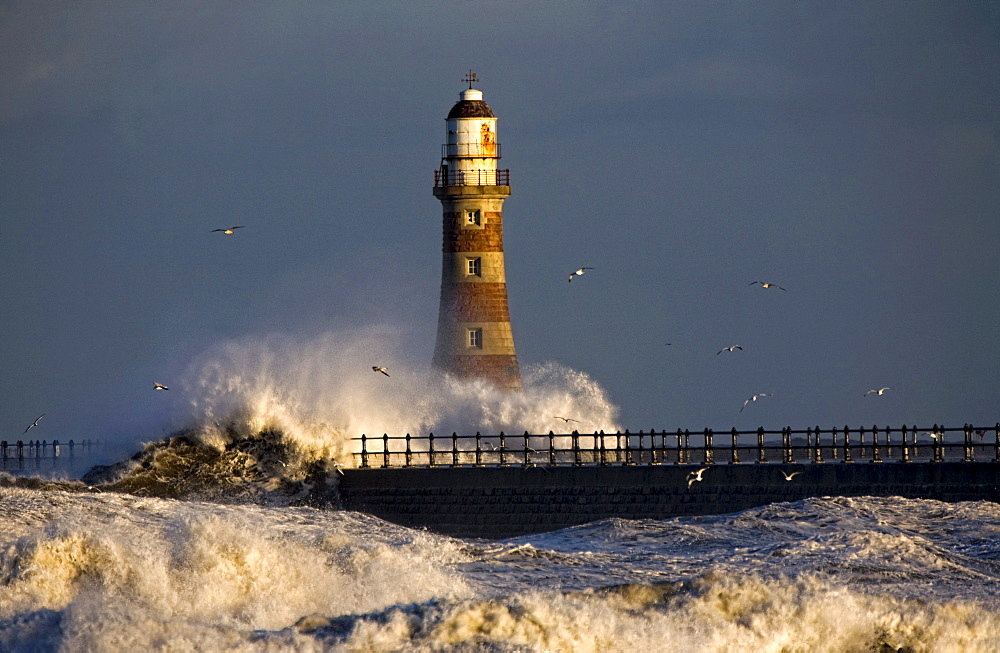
471	77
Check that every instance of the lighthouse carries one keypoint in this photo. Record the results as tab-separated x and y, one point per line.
474	337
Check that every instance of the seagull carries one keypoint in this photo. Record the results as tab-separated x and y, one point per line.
730	349
566	419
754	398
376	368
767	285
933	435
878	392
696	476
578	273
788	476
230	230
34	424
159	386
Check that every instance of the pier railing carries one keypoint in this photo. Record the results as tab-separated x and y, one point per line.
876	444
33	455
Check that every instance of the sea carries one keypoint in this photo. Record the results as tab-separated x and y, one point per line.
215	539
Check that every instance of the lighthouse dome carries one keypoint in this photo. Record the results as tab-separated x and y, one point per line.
471	106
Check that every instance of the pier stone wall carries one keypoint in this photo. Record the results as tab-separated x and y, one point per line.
499	502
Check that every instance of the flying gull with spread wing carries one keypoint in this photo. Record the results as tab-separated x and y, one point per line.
229	231
693	477
878	392
730	349
34	424
764	284
376	368
754	398
578	273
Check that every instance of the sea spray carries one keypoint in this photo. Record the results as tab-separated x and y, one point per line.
320	393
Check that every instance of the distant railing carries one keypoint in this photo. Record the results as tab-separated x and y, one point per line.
444	178
788	446
37	454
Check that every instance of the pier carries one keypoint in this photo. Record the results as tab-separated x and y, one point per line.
25	456
507	485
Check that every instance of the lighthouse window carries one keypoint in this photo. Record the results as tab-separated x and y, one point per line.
476	338
474	266
473	217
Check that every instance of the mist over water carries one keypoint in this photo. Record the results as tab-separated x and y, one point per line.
321	391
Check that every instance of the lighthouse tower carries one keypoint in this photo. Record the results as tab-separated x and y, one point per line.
474	338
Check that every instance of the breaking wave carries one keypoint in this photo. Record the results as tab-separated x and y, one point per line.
321	392
108	571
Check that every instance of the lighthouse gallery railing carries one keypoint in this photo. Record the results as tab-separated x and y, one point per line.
444	178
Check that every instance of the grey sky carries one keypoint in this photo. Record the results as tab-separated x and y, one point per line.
847	151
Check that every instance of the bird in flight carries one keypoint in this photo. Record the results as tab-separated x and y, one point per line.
696	476
730	349
877	392
578	273
34	424
230	230
767	285
566	419
788	476
754	398
376	368
159	386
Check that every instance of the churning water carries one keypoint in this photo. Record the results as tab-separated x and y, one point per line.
204	543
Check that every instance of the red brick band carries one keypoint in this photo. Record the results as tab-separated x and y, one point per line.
475	302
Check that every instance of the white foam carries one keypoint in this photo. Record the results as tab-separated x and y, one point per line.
321	392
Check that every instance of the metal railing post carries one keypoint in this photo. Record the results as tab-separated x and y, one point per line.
970	454
847	445
709	453
761	453
904	449
479	450
628	448
430	449
552	449
575	437
385	449
996	442
364	451
604	451
454	449
875	454
527	450
734	456
503	450
409	452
